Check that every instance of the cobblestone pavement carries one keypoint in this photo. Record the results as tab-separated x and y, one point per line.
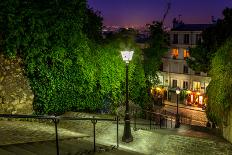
182	141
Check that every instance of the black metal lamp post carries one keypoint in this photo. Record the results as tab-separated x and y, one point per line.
127	136
177	125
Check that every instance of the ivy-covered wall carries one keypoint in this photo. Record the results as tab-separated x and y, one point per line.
16	96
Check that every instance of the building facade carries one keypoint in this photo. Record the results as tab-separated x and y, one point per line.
175	72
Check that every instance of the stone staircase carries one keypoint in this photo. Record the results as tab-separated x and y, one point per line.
67	147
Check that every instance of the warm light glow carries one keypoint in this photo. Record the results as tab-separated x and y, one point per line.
177	90
188	91
191	98
186	53
196	85
200	99
127	55
175	52
198	93
158	88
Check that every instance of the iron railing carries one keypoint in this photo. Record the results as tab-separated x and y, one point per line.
56	120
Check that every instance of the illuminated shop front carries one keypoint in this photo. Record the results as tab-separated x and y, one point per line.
195	98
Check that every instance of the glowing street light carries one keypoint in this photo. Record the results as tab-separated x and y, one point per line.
127	136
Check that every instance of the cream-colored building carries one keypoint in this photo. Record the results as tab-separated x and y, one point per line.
175	72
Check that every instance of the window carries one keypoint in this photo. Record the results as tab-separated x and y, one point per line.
186	38
196	85
174	83
175	39
185	85
175	53
198	38
186	53
186	69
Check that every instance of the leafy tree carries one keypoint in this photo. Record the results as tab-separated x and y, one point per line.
125	40
93	25
213	38
158	44
219	89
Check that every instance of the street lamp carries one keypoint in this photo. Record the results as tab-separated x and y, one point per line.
127	136
177	125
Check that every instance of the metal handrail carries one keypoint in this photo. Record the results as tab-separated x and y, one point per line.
56	120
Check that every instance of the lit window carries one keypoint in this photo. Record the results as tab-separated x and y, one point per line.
196	85
186	53
175	53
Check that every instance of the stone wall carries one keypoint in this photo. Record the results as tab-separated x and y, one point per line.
227	129
16	96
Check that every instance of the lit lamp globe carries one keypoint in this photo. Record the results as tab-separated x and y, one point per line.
127	55
177	90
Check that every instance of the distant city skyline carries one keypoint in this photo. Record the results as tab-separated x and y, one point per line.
133	13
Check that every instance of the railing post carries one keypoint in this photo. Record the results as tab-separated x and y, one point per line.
171	121
150	120
166	122
166	118
135	120
94	121
160	121
117	134
56	121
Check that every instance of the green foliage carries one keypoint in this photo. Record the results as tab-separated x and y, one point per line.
124	40
66	68
213	38
219	89
158	44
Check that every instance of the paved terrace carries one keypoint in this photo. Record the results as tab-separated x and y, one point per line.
185	140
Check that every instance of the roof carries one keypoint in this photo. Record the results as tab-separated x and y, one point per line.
191	27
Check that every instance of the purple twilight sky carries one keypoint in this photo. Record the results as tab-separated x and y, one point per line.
141	12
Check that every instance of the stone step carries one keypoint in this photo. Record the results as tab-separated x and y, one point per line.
17	150
66	147
5	152
74	146
39	148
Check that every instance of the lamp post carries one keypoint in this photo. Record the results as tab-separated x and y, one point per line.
127	136
177	125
